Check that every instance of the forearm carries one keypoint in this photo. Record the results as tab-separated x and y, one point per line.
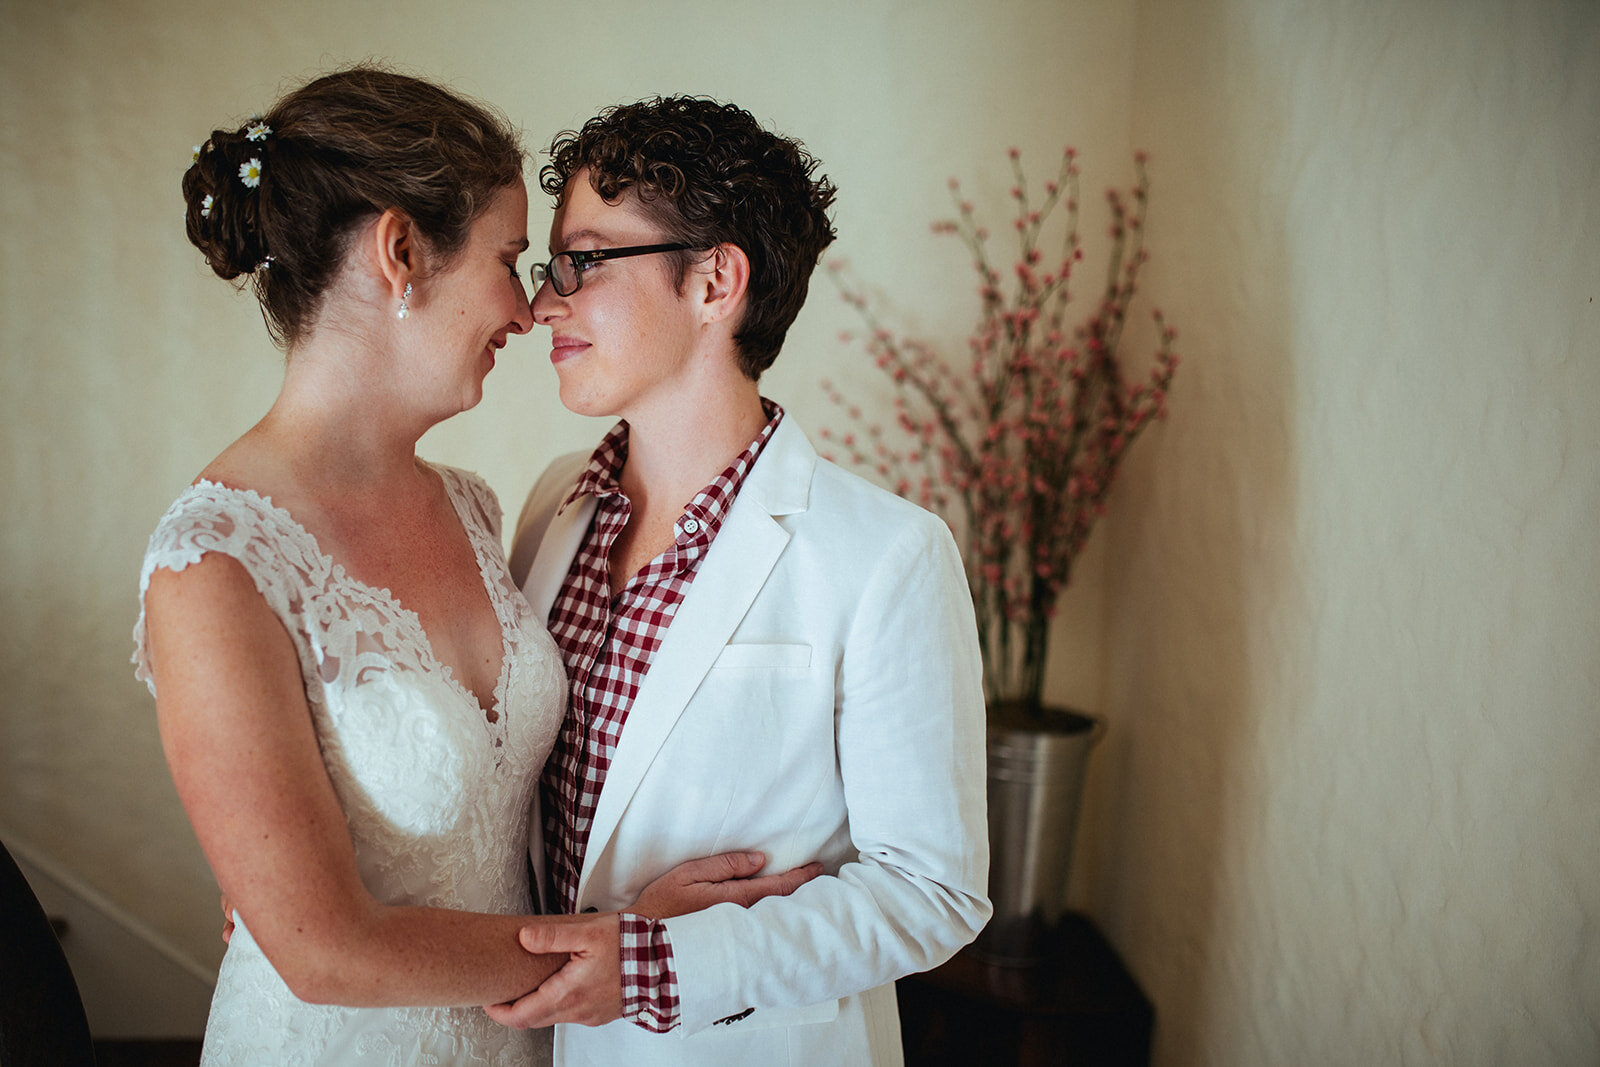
404	956
868	925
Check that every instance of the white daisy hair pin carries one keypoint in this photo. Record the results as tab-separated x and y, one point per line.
250	172
257	131
205	206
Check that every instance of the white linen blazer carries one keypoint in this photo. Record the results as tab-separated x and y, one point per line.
817	696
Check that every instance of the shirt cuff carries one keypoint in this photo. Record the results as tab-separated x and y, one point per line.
649	984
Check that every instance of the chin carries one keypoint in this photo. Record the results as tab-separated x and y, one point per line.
584	402
470	400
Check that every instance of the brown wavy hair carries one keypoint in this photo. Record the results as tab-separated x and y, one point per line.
343	149
708	174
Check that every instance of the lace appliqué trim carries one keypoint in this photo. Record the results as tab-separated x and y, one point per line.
346	624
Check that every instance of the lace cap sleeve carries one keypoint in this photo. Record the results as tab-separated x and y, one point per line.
240	524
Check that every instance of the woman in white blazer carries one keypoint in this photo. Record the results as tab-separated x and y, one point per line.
817	697
817	694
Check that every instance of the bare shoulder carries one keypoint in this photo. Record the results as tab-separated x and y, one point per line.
256	463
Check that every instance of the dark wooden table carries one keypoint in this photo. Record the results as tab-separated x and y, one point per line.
1080	1006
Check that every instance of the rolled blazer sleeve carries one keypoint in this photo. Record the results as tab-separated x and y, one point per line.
909	735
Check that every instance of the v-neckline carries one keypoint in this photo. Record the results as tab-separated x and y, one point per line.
494	713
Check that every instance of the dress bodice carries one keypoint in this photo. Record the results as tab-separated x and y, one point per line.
436	791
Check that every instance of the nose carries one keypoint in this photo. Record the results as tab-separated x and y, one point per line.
547	307
523	322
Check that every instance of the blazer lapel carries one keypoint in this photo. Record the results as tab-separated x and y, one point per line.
729	578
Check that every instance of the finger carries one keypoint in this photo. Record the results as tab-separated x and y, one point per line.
549	938
576	938
750	890
523	1013
718	868
568	996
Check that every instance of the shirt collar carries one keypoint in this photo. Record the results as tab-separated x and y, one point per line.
602	476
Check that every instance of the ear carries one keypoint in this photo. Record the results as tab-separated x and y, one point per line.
724	277
395	250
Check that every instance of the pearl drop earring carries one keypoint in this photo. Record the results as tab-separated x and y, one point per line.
405	310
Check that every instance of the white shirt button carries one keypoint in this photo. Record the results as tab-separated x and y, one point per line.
691	526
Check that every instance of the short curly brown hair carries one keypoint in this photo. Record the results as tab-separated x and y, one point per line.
709	174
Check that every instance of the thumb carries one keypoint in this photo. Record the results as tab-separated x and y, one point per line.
545	938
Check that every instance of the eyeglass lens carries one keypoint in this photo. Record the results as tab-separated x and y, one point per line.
560	271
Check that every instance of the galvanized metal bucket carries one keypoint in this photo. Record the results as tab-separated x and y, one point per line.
1036	775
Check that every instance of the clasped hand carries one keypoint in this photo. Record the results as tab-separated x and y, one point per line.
588	987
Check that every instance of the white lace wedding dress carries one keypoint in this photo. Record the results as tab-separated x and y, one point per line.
436	791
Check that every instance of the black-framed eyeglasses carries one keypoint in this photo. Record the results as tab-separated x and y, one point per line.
565	270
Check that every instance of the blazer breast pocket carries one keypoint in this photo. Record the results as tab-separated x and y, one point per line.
751	657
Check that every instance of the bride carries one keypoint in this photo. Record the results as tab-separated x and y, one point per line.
354	699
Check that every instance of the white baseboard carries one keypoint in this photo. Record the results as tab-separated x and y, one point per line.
134	982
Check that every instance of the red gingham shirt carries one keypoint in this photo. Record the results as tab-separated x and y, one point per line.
607	642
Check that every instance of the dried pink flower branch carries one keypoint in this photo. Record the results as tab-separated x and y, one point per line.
1017	442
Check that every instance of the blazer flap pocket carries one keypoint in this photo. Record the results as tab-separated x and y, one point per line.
757	657
768	1018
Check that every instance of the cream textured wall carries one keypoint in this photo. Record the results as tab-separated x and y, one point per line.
1344	617
127	365
1347	810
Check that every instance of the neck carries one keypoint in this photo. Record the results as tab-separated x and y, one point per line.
340	420
675	449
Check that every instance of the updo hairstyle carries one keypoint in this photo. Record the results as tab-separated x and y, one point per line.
330	157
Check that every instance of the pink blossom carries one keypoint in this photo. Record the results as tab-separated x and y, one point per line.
998	438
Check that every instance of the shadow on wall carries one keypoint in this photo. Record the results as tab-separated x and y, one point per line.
132	983
1200	552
